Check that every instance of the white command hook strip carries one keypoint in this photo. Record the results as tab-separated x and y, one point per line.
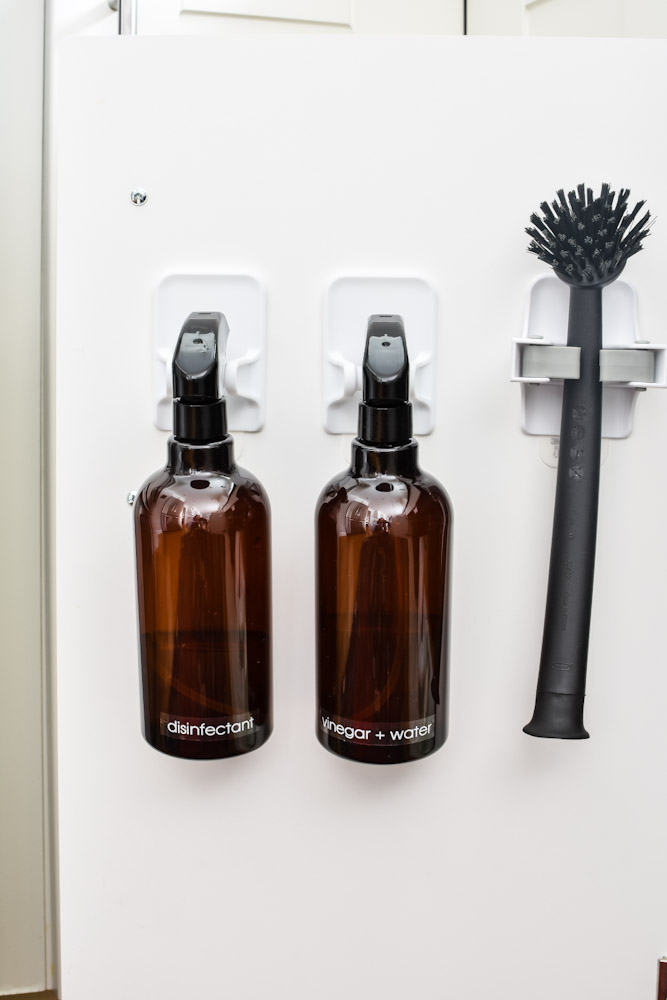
349	303
240	299
541	358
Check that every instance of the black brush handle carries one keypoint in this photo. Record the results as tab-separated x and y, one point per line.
561	686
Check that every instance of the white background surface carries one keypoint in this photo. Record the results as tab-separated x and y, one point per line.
503	865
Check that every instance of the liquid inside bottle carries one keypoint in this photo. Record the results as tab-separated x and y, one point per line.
383	563
203	545
202	529
382	631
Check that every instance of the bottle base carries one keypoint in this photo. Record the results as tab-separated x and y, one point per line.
195	749
380	755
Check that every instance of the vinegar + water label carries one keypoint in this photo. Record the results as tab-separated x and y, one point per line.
377	734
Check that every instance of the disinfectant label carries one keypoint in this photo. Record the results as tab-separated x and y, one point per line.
377	734
181	728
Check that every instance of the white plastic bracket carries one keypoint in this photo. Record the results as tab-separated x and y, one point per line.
541	359
349	303
241	300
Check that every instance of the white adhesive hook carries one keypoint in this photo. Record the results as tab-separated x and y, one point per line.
235	369
541	359
240	298
352	373
349	303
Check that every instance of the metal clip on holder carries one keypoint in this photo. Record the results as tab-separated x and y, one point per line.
541	359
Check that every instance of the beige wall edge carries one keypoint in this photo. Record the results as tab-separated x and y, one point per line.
22	835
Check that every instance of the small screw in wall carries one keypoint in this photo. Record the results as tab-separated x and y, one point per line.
131	497
138	196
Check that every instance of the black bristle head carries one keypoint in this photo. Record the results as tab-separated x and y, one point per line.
602	234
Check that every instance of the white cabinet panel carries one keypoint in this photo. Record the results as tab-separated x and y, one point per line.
362	16
214	17
601	18
287	872
326	11
588	18
408	16
646	17
495	17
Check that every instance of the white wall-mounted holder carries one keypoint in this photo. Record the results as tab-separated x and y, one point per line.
541	359
241	299
349	303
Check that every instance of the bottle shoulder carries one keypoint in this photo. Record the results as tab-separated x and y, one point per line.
251	483
383	496
429	484
201	495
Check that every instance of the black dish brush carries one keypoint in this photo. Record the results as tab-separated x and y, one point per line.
587	240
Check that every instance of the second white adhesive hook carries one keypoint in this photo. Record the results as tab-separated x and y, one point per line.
349	303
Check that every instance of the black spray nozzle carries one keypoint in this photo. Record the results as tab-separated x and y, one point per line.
386	368
385	415
199	409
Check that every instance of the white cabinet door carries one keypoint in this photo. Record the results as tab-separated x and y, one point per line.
363	16
593	18
287	873
212	17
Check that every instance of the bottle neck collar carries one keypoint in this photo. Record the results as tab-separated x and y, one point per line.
185	458
385	426
199	420
369	460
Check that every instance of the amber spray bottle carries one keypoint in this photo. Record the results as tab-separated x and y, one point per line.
204	576
383	557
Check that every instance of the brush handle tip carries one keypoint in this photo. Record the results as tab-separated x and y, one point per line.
558	717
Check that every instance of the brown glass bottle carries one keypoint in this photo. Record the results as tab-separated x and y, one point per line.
202	530
383	555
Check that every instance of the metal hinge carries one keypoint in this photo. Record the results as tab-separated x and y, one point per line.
127	16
